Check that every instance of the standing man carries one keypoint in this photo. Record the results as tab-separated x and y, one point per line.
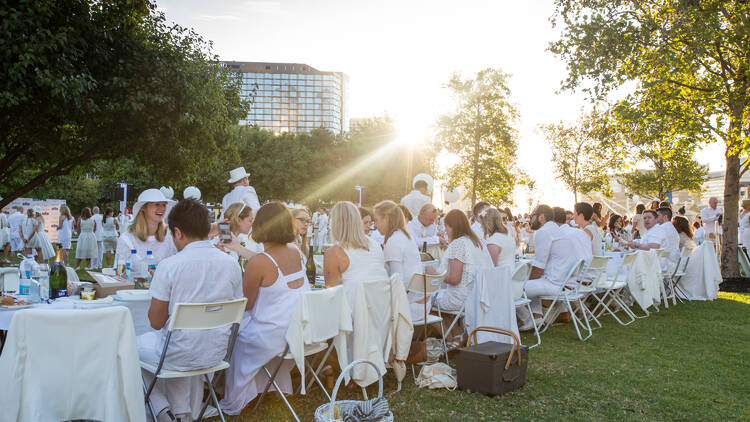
322	229
15	221
99	233
242	191
709	217
417	198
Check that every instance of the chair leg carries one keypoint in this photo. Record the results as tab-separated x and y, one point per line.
315	377
445	346
549	317
271	379
536	329
148	400
281	393
213	397
322	362
575	318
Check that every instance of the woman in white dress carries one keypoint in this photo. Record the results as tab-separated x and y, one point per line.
28	234
110	225
500	244
639	229
48	251
65	232
148	231
4	236
682	225
401	253
87	248
463	257
354	257
272	283
745	223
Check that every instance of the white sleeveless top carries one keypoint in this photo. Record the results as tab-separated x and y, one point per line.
596	241
364	265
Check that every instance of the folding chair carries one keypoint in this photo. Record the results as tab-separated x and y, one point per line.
309	350
590	277
198	316
679	271
428	284
518	281
568	295
610	290
744	260
666	272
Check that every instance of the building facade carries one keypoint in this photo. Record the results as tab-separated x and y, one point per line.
293	97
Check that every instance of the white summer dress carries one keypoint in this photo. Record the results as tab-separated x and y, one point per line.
65	234
452	298
32	242
44	243
87	247
260	339
364	266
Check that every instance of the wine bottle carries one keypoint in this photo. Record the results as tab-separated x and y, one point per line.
310	267
424	247
58	278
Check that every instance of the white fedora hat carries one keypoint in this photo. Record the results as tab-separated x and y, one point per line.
192	192
237	174
151	195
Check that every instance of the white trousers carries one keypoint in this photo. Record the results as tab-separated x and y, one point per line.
539	287
170	393
97	262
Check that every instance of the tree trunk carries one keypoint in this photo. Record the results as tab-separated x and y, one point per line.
729	262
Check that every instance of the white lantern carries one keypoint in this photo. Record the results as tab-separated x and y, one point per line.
192	192
451	196
168	192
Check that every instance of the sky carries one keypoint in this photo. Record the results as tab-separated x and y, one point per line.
399	54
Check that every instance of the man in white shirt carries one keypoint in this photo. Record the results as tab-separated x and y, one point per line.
15	221
709	216
671	237
654	237
477	212
322	236
242	191
198	273
577	235
423	229
99	233
417	198
555	254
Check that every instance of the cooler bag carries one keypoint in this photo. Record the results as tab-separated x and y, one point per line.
492	368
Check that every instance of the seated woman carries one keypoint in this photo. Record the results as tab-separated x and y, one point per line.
465	254
272	283
148	232
401	253
500	244
240	218
354	257
682	225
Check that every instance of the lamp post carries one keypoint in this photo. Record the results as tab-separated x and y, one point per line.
358	188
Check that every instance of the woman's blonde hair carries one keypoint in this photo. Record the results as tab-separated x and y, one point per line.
395	217
492	222
65	212
236	212
304	242
139	228
346	227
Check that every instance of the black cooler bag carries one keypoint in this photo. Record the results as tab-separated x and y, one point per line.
492	368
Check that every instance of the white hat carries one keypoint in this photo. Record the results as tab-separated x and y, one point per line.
425	178
37	209
192	192
151	195
237	174
168	192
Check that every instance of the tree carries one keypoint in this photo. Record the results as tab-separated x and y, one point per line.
580	155
694	56
85	81
646	136
482	134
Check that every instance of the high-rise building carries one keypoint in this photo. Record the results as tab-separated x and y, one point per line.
293	97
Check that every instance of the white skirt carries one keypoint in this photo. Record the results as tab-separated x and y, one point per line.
48	251
34	242
4	236
87	247
64	238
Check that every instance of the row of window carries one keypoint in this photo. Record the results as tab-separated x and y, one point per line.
277	112
298	103
289	76
280	117
277	94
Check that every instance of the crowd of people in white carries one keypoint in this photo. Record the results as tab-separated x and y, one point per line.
358	245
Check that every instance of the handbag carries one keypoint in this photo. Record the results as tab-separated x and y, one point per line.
418	349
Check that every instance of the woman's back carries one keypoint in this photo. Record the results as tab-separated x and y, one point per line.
282	282
364	265
109	227
87	225
507	248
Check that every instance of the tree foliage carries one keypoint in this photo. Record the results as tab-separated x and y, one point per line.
84	81
693	56
581	155
481	132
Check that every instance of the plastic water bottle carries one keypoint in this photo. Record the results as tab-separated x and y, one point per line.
26	269
43	278
131	266
150	265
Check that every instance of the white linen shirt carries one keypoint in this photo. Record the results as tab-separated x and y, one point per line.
421	233
507	248
15	221
402	255
199	273
555	253
583	249
671	238
709	216
99	232
414	201
244	194
654	235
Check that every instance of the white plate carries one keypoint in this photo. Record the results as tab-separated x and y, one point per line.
16	307
132	295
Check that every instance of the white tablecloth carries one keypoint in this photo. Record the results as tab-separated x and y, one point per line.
702	275
643	277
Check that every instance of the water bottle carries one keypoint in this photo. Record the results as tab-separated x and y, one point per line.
150	265
43	279
131	266
26	270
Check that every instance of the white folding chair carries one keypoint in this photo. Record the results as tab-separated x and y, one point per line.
518	281
595	271
198	317
309	350
622	276
428	284
666	272
610	290
568	294
678	273
744	260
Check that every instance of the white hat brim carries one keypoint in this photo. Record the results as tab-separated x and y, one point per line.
238	178
138	205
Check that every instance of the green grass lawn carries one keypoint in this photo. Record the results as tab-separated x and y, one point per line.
689	362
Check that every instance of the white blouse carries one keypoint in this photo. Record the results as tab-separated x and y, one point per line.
507	248
159	250
463	249
402	255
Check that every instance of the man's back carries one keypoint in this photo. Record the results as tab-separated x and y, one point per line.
555	252
199	273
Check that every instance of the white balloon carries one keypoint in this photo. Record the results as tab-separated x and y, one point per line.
424	177
451	196
192	192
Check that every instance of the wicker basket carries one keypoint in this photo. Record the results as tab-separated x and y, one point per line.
323	413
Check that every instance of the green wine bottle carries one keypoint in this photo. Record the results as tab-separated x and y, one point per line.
58	278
